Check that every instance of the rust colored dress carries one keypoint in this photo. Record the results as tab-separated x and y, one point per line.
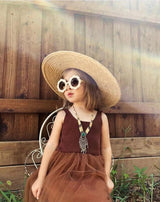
73	176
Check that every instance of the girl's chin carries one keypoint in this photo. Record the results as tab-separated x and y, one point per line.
70	99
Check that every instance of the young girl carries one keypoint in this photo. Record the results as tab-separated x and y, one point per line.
77	158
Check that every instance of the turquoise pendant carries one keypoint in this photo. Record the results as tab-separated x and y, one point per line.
83	134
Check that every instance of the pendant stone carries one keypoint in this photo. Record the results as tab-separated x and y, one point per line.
83	134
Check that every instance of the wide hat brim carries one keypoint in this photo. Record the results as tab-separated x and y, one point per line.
55	63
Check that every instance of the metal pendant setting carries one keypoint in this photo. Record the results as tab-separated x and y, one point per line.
83	142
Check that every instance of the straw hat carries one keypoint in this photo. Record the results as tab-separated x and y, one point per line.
55	63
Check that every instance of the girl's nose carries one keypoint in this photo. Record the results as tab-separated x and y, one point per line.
68	87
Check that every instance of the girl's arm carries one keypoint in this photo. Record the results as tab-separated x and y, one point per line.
106	151
48	151
51	144
106	146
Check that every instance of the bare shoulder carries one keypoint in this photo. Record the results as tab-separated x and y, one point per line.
60	116
104	117
61	113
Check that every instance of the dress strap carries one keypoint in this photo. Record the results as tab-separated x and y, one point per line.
66	110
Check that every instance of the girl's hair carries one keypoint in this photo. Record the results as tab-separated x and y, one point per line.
92	94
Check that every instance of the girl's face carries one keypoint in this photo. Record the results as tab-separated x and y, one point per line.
73	95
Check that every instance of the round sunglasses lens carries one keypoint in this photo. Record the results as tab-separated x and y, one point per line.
74	82
61	85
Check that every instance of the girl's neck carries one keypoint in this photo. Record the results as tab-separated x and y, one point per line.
80	107
83	113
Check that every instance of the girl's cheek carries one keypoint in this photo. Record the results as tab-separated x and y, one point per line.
65	95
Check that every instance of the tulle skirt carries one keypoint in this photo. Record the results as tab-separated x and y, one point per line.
71	177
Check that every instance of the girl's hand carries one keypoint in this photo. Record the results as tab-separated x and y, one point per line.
110	184
37	188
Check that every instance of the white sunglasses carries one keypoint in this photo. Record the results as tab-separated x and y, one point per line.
74	83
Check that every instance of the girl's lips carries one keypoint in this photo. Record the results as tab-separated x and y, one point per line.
70	94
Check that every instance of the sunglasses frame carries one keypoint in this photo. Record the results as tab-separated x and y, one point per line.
69	83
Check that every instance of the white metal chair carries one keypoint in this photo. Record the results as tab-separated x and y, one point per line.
35	156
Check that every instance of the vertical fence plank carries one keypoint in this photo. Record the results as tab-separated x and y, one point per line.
9	67
123	72
3	23
63	30
48	43
150	71
12	32
138	125
150	63
108	41
109	63
136	73
129	126
125	126
152	125
150	50
137	84
95	38
28	69
79	33
135	44
122	58
25	127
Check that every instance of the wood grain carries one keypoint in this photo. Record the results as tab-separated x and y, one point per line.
28	105
45	106
3	24
136	108
48	45
150	163
15	152
79	33
95	38
135	147
12	153
116	10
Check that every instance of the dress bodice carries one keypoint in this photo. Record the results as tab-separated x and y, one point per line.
69	137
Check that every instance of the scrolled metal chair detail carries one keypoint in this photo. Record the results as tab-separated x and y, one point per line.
37	154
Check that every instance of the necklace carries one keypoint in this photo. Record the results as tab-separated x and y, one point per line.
83	142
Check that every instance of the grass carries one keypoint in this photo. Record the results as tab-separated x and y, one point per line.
140	187
6	195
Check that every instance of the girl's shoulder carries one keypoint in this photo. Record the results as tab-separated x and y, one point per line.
62	112
104	117
61	115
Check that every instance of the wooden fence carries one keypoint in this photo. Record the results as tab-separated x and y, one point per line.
141	152
122	35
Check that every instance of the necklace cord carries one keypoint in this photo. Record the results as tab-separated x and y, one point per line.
83	142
